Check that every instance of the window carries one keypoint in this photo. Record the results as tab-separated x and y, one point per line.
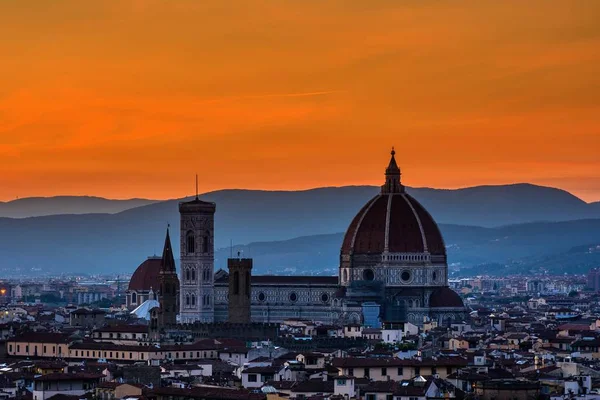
236	282
252	378
187	274
383	371
190	242
130	355
261	296
193	274
351	371
371	396
367	373
205	244
247	293
187	300
417	371
293	297
448	370
389	397
405	276
341	382
193	300
44	348
433	370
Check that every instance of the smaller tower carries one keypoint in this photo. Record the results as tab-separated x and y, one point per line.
169	286
240	274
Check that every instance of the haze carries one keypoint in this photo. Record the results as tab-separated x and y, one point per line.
129	99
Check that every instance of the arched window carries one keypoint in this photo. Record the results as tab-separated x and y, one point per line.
193	300
236	282
134	297
247	293
207	300
190	242
345	275
193	274
187	300
187	274
205	244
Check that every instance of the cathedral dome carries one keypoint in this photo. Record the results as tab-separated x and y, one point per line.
145	276
393	222
445	297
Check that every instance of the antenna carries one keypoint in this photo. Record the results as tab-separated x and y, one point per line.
196	186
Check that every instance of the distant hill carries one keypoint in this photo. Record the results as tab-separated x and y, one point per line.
120	241
251	215
103	243
328	210
41	206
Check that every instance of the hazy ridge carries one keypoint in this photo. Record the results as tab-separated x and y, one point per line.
469	220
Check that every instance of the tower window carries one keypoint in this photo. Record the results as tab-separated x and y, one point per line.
205	244
193	274
236	282
193	300
134	297
247	284
190	242
187	300
187	274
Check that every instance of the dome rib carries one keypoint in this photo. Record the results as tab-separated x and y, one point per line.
388	217
418	222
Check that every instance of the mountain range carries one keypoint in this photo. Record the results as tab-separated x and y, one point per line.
473	220
41	206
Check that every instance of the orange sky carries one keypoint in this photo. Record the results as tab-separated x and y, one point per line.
131	98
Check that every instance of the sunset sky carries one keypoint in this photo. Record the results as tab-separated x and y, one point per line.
132	98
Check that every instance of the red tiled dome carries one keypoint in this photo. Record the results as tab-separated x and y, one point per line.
445	297
393	221
146	275
396	220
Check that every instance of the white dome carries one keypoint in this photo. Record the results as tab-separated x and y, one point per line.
143	310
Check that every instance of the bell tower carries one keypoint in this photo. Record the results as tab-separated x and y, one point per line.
240	289
197	261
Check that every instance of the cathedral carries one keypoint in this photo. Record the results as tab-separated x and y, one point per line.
393	268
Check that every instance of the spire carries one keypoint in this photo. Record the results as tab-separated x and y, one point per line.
168	261
392	177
